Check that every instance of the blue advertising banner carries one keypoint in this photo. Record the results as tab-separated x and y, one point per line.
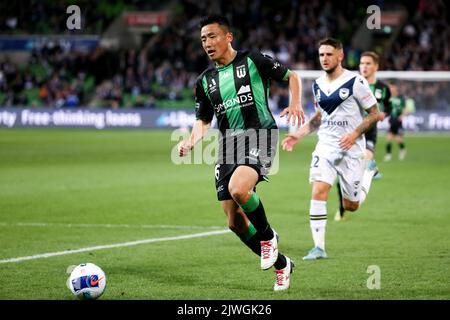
158	118
28	43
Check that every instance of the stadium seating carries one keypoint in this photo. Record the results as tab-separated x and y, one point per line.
161	72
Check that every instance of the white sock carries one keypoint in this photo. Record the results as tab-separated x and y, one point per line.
365	185
318	222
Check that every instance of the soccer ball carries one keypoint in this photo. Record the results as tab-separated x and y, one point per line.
87	281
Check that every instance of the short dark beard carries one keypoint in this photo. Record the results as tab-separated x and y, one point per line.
329	71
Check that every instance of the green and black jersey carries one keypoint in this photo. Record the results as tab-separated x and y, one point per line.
382	94
398	104
238	92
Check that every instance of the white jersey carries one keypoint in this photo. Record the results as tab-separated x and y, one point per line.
341	104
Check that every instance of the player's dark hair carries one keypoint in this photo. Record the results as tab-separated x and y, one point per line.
215	18
330	42
373	55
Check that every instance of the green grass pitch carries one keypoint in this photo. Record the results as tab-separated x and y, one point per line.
60	189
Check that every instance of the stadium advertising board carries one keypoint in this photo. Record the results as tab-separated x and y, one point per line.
137	118
30	42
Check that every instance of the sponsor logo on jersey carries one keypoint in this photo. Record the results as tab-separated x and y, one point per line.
336	123
378	94
241	100
244	89
254	152
318	95
240	72
212	86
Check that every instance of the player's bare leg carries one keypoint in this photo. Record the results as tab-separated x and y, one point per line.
241	226
350	205
369	154
237	220
241	188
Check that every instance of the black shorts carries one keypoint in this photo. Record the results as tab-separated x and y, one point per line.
371	138
252	152
223	173
396	127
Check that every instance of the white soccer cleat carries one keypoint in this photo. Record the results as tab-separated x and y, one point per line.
269	252
402	154
339	217
283	276
387	157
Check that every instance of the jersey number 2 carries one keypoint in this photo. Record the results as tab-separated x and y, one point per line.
315	162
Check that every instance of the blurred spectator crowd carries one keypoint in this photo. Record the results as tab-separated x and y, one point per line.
162	72
424	42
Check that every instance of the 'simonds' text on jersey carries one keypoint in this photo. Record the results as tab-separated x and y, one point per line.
237	93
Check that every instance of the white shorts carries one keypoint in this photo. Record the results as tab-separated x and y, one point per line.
327	167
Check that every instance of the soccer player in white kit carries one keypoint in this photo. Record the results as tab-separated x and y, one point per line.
340	97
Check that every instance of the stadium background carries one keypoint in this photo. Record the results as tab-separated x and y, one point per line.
132	65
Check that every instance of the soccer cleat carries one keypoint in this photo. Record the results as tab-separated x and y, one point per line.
377	176
269	252
315	254
340	217
402	154
372	165
387	157
283	276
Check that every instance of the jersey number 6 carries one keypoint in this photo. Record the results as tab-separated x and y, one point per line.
216	171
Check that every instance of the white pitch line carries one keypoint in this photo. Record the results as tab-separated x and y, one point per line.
111	246
93	225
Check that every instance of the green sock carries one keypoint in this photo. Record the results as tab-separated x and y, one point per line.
251	204
252	239
250	233
255	212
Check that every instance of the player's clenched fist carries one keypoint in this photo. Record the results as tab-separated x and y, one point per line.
184	147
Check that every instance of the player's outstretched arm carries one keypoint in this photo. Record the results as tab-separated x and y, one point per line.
294	111
348	140
198	132
291	139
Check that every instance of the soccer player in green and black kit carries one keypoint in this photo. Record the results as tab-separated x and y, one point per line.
235	89
395	132
368	67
